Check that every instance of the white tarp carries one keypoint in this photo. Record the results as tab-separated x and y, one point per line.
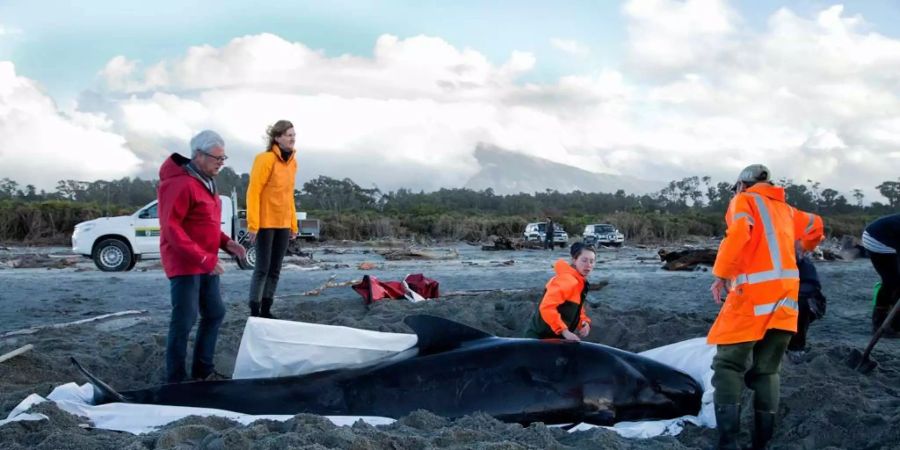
278	348
304	347
138	419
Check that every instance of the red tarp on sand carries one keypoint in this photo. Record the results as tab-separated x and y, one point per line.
372	289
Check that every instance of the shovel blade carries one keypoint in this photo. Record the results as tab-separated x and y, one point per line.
861	364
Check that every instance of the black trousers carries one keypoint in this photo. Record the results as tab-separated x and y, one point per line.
798	340
271	246
888	267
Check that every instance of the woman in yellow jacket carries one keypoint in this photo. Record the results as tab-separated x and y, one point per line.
561	312
271	213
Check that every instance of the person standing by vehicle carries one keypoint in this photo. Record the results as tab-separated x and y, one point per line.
190	239
757	264
548	234
882	239
560	314
271	213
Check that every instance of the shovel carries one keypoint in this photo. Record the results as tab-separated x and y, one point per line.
861	361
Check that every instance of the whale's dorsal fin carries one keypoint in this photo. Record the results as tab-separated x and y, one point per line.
437	334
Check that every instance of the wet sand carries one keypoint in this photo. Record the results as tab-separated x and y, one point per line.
825	403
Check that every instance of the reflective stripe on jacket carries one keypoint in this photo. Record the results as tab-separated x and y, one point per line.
270	196
758	257
562	306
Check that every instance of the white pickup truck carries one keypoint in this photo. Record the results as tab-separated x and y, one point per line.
118	243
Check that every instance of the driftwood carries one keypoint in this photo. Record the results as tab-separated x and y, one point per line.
852	248
409	253
499	243
35	261
687	259
847	248
16	352
831	255
505	243
594	286
33	330
474	292
331	283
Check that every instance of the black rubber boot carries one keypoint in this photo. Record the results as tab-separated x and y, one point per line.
266	310
254	309
763	429
728	421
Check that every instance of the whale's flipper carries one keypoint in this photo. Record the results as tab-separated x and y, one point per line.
437	334
103	393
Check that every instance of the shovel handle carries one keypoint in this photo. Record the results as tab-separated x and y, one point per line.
884	326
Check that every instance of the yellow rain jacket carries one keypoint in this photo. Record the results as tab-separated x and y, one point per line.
270	196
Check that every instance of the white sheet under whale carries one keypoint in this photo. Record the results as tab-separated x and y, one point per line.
304	347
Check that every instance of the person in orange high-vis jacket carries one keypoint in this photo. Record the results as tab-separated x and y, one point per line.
757	264
271	213
560	313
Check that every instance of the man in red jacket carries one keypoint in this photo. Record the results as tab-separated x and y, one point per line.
190	239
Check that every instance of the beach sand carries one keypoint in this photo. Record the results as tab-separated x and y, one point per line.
824	403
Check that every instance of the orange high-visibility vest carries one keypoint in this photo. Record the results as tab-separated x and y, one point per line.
758	257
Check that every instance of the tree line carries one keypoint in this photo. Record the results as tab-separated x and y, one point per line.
334	195
692	205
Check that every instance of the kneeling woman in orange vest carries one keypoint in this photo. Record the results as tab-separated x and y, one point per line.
561	312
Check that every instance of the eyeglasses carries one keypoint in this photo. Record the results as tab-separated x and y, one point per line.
220	159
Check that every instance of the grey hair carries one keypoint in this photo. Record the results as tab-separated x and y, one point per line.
205	141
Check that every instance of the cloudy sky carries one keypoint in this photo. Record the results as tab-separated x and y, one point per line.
399	93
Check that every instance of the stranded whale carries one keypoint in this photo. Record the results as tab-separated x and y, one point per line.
456	370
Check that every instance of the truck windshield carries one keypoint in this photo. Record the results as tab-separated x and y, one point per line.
604	229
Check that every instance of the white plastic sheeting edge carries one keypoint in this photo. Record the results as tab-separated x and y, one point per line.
299	343
138	419
278	348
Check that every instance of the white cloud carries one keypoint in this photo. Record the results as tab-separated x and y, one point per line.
570	46
39	145
700	93
9	31
673	36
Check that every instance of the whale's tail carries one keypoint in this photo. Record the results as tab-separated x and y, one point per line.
103	393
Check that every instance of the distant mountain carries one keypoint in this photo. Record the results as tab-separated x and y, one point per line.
508	172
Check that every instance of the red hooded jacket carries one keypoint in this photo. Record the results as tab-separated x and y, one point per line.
189	220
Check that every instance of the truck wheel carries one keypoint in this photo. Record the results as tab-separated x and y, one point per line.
112	255
249	262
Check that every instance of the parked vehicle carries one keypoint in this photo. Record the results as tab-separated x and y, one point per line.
308	229
537	232
603	234
118	243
